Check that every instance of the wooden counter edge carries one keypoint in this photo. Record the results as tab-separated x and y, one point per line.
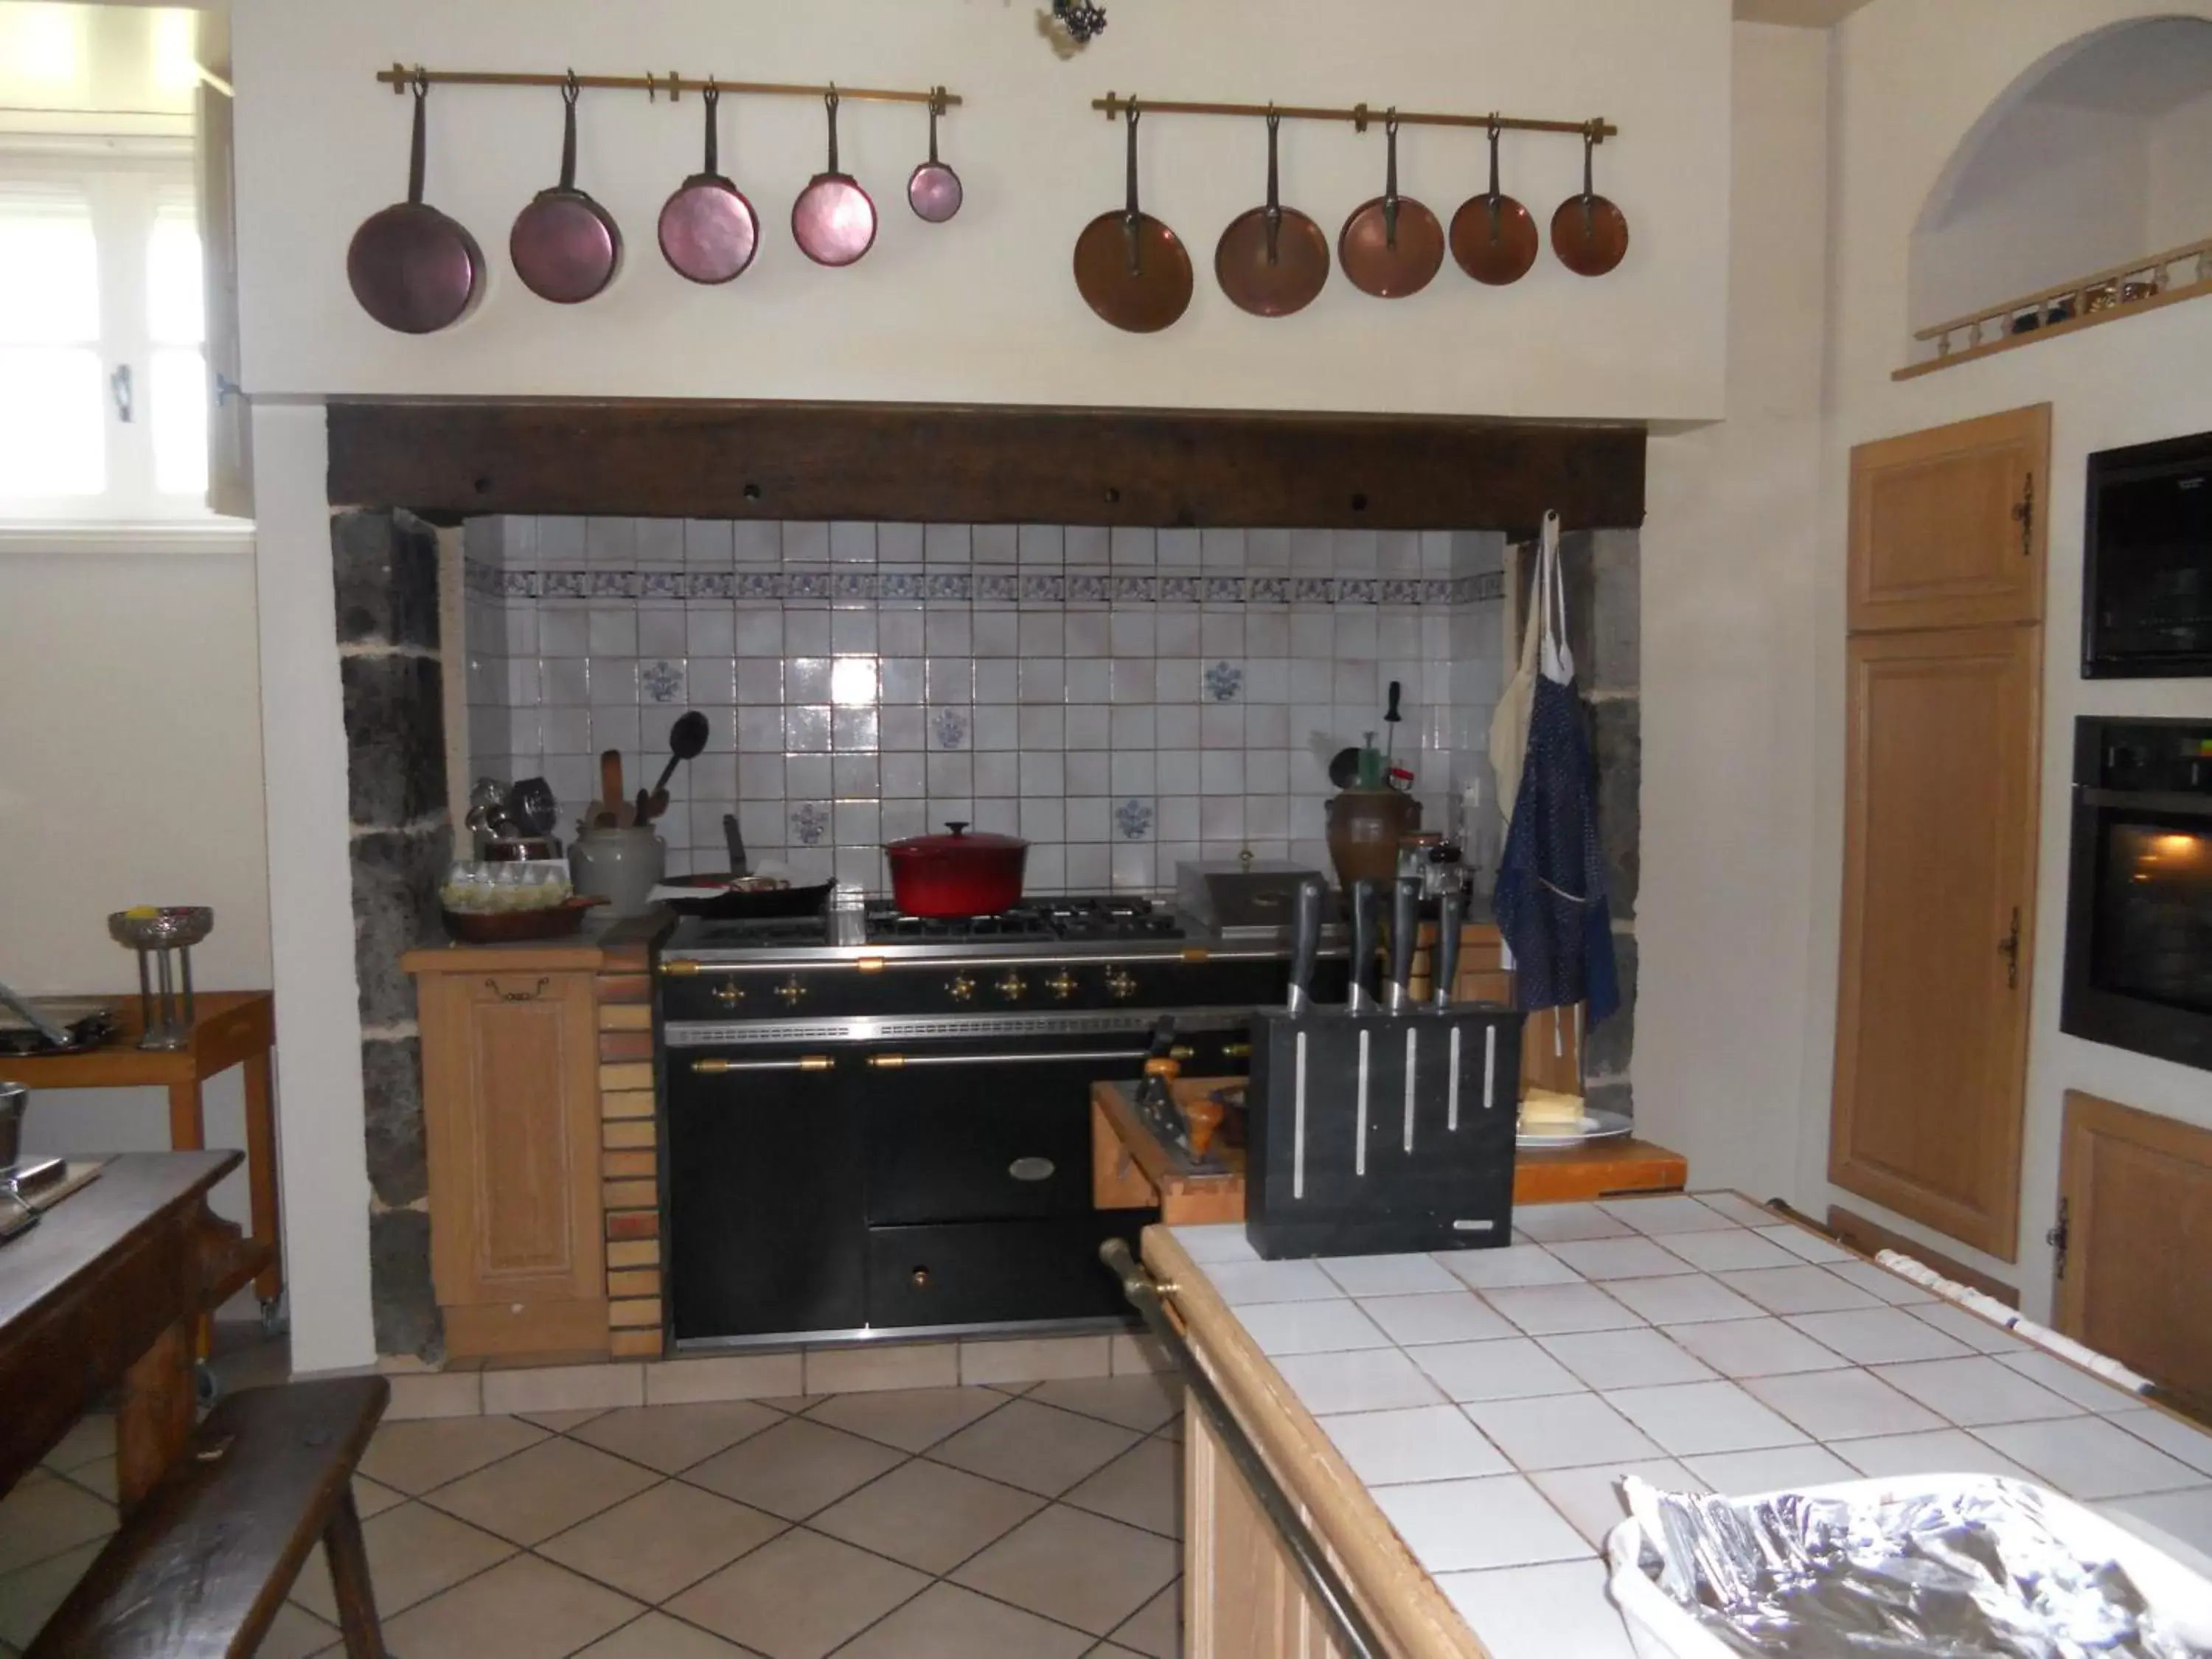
544	957
1396	1592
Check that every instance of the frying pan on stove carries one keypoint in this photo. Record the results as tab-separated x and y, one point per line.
411	268
708	232
565	246
1133	271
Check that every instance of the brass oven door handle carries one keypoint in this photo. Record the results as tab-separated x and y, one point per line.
893	1062
718	1067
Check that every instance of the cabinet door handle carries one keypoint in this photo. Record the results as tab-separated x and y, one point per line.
531	995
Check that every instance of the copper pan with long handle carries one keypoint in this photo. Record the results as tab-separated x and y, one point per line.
411	268
565	246
1271	261
834	220
1493	236
708	231
1133	270
1391	246
934	190
1588	234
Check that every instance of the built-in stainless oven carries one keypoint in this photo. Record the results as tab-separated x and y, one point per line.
2147	575
2139	910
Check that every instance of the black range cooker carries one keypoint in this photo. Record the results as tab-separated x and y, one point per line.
893	1137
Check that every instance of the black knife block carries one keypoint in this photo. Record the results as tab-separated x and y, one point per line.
1421	1166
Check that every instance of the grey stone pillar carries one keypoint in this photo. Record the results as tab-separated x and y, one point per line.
392	677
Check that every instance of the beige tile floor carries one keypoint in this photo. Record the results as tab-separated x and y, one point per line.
1036	1521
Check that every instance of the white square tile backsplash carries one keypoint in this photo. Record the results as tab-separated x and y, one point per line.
1125	700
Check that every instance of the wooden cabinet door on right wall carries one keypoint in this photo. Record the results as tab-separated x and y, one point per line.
1939	882
1948	525
2138	1195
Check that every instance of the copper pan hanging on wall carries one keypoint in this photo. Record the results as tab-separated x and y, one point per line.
934	190
708	231
1392	246
1588	234
412	268
1493	236
834	220
565	246
1133	270
1271	261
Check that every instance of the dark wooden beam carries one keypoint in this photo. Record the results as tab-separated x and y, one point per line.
982	465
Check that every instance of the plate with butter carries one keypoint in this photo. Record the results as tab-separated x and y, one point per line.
1549	1118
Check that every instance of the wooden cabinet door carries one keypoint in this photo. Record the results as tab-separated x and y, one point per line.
510	1072
1938	927
1242	1597
2137	1190
1947	526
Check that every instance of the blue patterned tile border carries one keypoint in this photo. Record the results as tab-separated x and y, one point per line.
990	587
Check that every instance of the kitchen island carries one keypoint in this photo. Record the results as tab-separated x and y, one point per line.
1452	1427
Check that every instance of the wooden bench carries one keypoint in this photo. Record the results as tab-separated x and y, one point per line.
201	1565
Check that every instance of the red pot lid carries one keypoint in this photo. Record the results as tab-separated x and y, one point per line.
959	841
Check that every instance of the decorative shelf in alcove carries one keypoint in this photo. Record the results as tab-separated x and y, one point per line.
2102	296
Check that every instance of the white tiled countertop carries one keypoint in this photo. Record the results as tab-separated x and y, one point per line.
1488	1400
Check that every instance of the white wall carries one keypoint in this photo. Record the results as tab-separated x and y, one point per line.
1728	554
129	773
2057	192
1911	82
985	308
2181	175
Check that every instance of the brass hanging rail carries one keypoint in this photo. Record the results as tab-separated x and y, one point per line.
399	77
1360	115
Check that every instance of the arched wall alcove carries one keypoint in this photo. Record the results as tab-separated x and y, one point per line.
2100	154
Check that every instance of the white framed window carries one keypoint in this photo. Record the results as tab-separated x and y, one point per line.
103	372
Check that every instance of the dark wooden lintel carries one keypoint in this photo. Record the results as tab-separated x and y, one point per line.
997	465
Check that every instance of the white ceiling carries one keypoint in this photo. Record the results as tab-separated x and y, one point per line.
1802	14
2141	69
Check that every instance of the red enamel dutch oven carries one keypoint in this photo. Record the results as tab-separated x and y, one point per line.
957	874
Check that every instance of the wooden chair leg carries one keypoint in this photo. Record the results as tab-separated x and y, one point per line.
356	1596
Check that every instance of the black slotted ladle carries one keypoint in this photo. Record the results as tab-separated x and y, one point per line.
1493	236
687	738
1131	269
1588	234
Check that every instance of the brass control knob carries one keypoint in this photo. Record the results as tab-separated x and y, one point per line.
1013	987
1061	985
791	991
962	988
1120	984
729	994
920	1277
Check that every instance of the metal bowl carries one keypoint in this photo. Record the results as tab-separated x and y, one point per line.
161	927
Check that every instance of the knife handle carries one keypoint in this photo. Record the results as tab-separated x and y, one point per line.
1305	942
1359	999
1445	964
1405	922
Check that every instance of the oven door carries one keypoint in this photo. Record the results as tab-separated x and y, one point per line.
765	1192
2139	924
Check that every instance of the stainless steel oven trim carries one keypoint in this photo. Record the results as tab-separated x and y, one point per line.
863	1335
687	959
921	1028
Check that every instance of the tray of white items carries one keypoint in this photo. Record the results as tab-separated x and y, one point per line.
1962	1567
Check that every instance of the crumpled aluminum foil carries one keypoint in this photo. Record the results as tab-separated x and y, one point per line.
1979	1571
